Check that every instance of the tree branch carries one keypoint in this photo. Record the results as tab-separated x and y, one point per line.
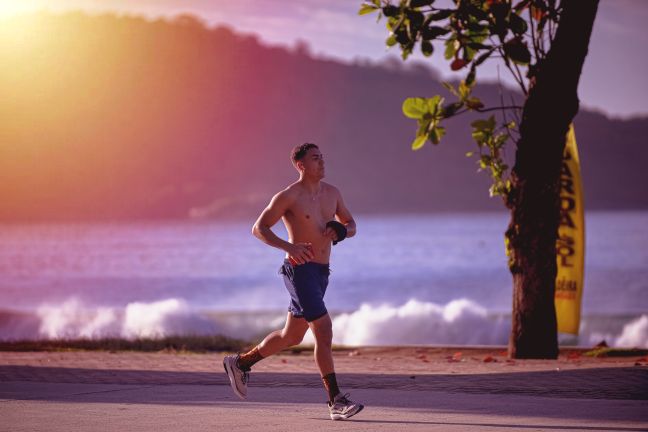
524	89
508	65
533	37
483	110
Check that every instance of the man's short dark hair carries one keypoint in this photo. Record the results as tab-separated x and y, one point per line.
300	151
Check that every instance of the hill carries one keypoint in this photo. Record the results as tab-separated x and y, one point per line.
106	117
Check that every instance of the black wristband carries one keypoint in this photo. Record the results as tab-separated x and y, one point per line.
339	229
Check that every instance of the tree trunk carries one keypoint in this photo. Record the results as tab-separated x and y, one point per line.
549	109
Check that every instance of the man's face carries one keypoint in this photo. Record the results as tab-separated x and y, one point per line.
312	163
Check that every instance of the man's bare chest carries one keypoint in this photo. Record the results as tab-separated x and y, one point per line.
317	211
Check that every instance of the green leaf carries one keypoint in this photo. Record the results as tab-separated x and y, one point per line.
464	90
469	53
477	46
479	137
441	131
517	51
470	78
476	9
500	140
415	108
391	41
392	24
436	134
484	161
474	103
367	9
484	125
406	50
434	32
416	19
450	110
434	104
475	28
451	48
424	125
493	190
427	48
390	10
441	14
491	122
517	24
480	125
419	142
401	36
482	58
420	3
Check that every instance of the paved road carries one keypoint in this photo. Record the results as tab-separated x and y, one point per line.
77	399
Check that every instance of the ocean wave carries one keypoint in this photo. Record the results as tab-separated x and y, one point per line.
460	322
72	319
633	335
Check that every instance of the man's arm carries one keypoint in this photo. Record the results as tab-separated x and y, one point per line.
343	215
278	206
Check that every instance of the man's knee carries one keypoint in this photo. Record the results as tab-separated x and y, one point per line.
294	337
322	329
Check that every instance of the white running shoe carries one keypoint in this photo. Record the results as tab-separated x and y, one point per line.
342	407
238	378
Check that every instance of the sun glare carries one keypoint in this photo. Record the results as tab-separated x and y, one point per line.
9	8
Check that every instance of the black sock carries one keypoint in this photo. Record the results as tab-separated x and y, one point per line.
331	386
247	360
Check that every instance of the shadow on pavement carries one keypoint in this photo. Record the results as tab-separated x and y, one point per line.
497	425
598	393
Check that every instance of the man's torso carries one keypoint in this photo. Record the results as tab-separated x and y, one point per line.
307	216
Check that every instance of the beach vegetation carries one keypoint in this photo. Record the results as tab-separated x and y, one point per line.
196	344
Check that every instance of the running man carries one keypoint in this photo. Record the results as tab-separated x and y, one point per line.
315	217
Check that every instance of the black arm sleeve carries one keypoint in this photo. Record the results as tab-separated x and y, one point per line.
339	229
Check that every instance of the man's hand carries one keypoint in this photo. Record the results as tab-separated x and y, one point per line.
339	231
300	253
330	234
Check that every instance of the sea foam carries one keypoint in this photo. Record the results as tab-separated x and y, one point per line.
459	322
72	319
634	334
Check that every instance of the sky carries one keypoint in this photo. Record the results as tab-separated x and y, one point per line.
612	81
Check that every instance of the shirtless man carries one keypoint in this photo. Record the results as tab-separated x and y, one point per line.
315	217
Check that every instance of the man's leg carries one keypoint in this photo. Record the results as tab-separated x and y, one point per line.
340	406
292	334
237	367
322	329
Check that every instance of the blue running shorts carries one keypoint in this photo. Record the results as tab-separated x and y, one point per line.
306	284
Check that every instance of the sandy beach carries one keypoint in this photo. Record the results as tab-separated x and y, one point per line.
405	388
364	360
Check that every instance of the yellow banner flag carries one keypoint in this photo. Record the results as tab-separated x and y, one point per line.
570	246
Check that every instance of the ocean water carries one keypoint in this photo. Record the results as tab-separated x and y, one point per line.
438	279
